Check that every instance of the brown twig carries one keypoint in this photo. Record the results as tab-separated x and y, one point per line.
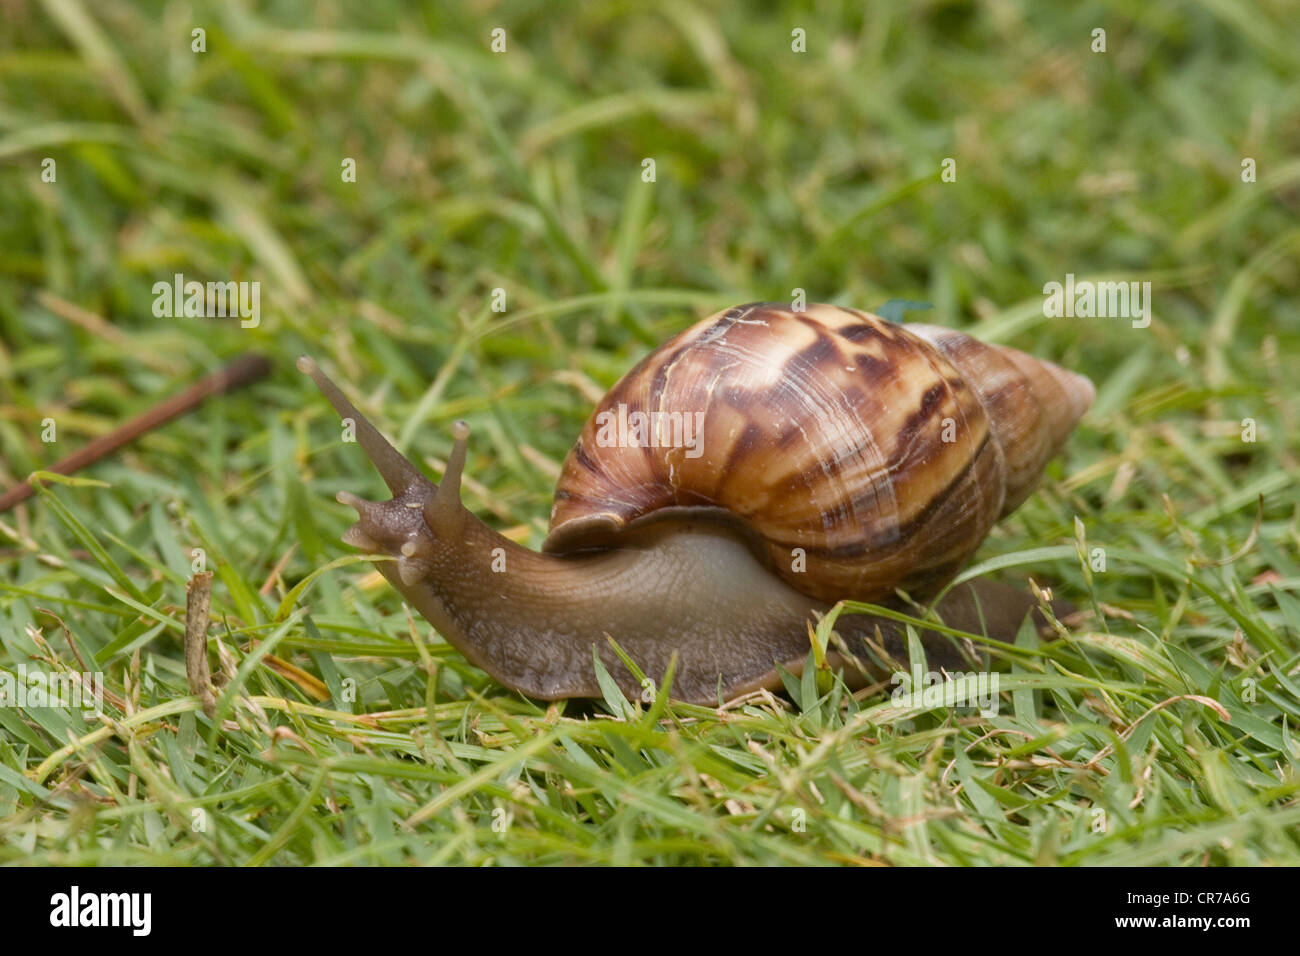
242	371
198	599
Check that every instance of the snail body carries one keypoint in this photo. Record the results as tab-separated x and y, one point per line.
727	491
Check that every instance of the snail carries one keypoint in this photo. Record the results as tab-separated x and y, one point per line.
727	491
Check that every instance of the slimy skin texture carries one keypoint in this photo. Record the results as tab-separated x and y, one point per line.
688	578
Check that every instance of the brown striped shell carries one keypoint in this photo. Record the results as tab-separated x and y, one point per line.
884	452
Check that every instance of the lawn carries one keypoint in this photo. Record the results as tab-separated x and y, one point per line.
496	235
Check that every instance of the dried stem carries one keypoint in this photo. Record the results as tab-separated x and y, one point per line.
198	598
242	371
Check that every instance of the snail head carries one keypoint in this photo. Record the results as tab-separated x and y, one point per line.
420	513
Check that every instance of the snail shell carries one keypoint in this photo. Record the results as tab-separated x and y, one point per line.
858	456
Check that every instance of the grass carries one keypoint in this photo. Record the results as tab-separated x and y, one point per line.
1166	731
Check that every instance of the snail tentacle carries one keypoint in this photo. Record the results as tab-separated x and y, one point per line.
444	507
398	473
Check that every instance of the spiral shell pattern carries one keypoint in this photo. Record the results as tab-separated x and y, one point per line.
859	456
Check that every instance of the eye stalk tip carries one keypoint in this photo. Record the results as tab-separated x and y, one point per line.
460	430
307	365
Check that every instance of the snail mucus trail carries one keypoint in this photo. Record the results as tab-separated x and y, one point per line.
685	578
